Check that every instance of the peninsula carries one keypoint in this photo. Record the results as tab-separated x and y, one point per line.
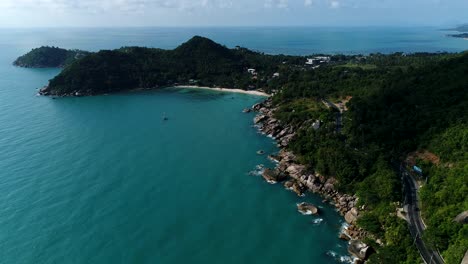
462	35
463	29
357	129
198	62
49	57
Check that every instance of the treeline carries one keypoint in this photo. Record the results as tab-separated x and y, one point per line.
403	103
200	61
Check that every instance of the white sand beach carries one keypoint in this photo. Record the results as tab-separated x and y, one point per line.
229	90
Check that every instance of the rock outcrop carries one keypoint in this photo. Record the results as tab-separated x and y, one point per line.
295	186
354	232
352	215
307	209
259	118
273	176
359	249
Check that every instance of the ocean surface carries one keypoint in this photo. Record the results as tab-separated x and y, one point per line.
105	180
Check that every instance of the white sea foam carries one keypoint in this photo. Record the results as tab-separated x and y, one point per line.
303	212
272	182
341	259
346	259
317	221
258	171
307	212
273	160
344	226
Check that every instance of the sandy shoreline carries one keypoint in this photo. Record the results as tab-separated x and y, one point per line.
229	90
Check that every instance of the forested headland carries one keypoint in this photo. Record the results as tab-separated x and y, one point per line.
49	57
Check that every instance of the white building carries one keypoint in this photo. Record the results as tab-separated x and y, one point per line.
310	61
318	60
323	58
276	74
252	71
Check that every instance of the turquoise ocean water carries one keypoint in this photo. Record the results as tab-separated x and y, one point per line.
104	180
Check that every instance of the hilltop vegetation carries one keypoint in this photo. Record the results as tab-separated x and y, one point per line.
49	57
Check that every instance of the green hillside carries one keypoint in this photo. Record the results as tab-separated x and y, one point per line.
49	57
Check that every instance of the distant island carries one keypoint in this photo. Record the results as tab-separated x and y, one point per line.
49	57
462	35
353	128
460	28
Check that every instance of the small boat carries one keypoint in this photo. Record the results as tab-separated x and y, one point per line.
165	118
260	152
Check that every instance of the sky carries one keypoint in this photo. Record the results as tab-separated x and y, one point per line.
182	13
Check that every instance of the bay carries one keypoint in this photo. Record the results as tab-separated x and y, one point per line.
105	180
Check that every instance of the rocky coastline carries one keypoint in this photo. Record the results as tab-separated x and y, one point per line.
299	179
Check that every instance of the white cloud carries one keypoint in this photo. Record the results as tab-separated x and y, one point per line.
283	4
335	4
224	12
111	5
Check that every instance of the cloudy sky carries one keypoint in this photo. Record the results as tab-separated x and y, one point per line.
95	13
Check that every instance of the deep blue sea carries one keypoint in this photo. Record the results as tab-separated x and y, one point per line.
104	180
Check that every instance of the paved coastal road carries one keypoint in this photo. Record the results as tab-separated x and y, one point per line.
416	225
